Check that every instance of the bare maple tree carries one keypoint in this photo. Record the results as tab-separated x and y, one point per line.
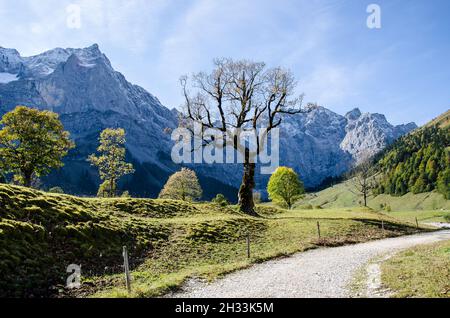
236	97
364	179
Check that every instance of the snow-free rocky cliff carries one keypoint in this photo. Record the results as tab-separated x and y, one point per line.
83	87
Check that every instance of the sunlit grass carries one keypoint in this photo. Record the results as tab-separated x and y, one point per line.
422	271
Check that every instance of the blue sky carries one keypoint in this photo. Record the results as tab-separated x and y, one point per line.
401	70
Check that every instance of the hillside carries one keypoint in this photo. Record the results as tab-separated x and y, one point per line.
443	121
342	196
418	162
427	207
169	241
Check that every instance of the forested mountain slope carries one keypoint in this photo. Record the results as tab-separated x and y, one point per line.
418	162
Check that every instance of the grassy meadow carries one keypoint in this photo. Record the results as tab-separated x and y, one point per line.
427	207
422	271
169	241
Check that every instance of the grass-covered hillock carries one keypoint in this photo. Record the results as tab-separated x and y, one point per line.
41	234
169	241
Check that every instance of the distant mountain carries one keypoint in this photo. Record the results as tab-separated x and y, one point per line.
324	144
83	87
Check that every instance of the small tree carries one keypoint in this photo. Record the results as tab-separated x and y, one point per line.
32	143
285	186
58	190
111	163
364	179
182	185
443	183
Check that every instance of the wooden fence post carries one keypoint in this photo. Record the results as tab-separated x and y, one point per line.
318	229
417	223
248	245
126	269
382	225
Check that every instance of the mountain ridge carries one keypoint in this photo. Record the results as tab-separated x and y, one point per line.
89	94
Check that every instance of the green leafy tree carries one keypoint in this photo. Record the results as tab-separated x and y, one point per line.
111	162
182	185
443	183
285	186
32	143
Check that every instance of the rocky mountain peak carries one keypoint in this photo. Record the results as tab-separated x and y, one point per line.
10	61
354	114
44	64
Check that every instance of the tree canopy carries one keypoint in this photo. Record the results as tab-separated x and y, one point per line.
182	185
418	162
111	161
285	186
32	143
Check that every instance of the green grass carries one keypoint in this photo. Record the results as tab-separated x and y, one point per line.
419	272
169	241
422	216
342	196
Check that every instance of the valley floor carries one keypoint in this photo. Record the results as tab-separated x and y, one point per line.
172	242
326	272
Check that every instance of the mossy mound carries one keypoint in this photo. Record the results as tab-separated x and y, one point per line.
225	230
41	234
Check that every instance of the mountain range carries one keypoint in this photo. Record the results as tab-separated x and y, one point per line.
82	86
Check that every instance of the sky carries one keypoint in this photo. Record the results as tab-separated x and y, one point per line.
401	69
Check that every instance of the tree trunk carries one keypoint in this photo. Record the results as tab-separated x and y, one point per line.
246	203
112	188
365	199
27	178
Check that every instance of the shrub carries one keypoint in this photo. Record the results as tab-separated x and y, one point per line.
104	190
220	200
56	190
126	194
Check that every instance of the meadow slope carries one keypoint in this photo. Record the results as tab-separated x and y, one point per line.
169	241
427	207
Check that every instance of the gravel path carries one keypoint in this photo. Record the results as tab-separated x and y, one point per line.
324	272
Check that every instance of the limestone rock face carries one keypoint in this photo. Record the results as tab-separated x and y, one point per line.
367	134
